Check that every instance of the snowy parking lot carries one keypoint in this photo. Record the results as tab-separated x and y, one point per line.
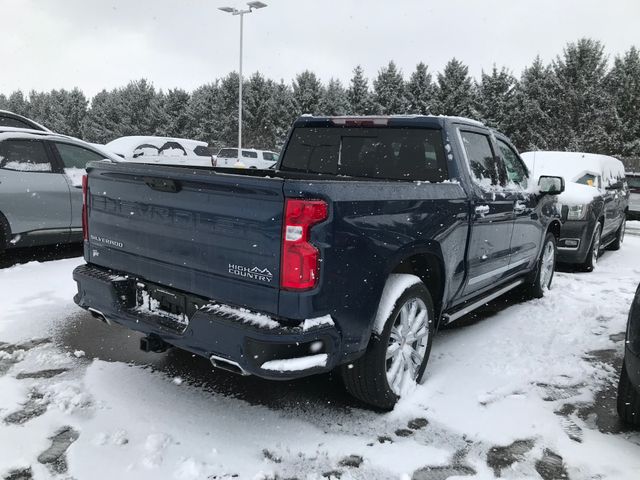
521	390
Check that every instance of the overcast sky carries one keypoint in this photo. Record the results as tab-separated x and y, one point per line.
96	44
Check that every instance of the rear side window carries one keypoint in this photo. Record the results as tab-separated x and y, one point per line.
76	157
387	152
24	156
228	153
249	154
482	161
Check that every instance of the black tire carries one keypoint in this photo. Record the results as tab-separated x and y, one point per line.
617	243
594	250
536	286
628	400
366	378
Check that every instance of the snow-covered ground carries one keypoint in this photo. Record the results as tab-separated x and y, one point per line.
525	391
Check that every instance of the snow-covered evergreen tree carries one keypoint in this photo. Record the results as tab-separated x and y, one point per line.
455	92
389	91
358	94
258	123
420	91
140	107
174	113
45	108
201	111
307	93
282	113
334	99
101	124
585	118
495	98
225	115
530	123
623	84
16	103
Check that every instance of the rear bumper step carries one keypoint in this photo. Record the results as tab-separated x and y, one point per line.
232	338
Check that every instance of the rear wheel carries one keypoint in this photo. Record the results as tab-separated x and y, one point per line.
628	399
617	243
395	359
594	250
546	269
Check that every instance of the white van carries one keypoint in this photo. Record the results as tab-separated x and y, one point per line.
250	158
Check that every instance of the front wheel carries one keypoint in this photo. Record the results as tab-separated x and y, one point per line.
545	270
594	250
396	357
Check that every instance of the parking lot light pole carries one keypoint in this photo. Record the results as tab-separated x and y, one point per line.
235	11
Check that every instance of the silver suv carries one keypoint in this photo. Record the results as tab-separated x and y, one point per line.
41	186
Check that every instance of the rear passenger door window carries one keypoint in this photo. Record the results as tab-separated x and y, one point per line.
482	161
24	156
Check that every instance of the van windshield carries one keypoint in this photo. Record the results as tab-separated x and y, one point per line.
394	153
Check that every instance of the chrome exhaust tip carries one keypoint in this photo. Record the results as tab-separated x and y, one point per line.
99	315
228	365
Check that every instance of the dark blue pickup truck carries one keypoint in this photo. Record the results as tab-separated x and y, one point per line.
370	234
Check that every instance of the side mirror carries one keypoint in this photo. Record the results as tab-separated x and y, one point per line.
551	185
614	186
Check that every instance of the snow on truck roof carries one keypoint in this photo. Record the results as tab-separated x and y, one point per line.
573	165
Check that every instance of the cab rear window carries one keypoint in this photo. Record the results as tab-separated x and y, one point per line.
392	153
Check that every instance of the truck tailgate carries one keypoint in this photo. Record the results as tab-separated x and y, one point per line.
210	234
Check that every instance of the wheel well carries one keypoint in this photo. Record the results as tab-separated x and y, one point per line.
555	229
429	269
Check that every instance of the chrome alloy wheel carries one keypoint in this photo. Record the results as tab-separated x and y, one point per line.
408	342
548	264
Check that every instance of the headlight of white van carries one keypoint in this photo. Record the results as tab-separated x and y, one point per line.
577	212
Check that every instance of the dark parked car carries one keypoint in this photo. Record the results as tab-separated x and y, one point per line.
629	387
371	233
10	119
633	180
594	204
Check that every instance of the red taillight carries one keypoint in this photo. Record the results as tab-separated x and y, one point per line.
85	219
300	259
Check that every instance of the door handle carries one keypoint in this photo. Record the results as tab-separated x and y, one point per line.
482	210
519	207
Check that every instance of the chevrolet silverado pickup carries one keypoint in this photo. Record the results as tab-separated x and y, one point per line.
369	235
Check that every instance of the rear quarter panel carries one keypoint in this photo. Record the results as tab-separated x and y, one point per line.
372	227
